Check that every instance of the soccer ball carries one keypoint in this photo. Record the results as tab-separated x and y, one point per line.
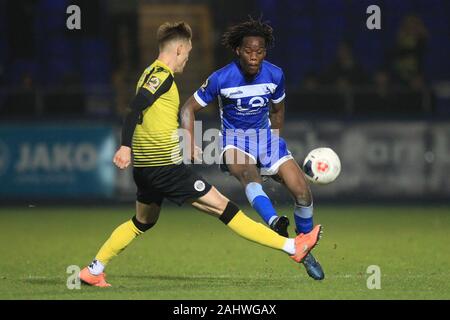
322	166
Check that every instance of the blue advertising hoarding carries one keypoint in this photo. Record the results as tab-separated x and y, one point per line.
56	161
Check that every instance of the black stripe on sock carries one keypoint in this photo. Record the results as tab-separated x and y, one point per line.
230	211
142	226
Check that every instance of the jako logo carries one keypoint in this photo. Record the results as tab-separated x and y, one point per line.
56	157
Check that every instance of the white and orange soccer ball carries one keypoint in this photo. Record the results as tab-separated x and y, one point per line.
322	166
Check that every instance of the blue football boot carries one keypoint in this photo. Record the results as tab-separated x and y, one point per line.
313	267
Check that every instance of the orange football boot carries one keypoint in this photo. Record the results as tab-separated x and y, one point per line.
90	279
304	243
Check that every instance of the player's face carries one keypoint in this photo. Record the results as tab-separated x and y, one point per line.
251	53
184	50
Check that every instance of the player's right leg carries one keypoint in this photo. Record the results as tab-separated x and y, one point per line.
216	204
243	167
292	177
145	218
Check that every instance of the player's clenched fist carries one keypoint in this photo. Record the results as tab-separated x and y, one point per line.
122	158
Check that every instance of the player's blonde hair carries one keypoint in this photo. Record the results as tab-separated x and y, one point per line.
173	31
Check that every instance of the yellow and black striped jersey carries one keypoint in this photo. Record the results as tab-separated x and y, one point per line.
155	139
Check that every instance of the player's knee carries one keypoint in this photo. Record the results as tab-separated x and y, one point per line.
143	225
215	201
303	198
229	212
247	176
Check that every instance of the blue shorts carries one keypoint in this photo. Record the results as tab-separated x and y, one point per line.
268	150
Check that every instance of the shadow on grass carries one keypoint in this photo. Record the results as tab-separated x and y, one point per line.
206	280
43	281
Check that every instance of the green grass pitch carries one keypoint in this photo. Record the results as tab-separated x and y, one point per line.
189	255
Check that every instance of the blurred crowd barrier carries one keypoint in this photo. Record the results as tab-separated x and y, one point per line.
102	102
381	160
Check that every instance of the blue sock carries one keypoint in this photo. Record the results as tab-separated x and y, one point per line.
260	202
303	218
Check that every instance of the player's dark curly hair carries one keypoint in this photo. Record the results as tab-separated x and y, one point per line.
232	38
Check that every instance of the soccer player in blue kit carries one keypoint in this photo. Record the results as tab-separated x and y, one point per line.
251	94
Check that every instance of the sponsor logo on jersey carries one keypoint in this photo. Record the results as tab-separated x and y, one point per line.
236	92
254	103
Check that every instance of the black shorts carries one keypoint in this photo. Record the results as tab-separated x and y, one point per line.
176	182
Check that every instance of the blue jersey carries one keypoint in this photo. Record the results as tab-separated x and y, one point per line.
243	104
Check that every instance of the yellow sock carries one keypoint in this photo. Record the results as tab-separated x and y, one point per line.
254	231
117	242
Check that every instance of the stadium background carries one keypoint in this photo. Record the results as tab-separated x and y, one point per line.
380	98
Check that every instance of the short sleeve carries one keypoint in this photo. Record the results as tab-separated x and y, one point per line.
208	91
279	93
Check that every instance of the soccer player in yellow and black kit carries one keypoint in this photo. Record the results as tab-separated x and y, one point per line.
150	131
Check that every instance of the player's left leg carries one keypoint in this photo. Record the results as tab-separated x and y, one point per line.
214	203
145	218
292	177
243	167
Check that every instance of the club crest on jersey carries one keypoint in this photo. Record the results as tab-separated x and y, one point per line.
199	185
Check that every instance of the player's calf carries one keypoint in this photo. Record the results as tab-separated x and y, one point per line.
121	237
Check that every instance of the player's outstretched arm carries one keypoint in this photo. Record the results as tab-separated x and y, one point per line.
187	116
